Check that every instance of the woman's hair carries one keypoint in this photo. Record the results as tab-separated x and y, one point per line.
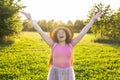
50	60
68	40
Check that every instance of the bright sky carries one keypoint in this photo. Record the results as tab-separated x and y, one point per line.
63	9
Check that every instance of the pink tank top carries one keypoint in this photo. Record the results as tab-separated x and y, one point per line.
62	55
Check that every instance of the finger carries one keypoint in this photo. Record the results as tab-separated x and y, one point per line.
101	15
98	14
95	13
23	12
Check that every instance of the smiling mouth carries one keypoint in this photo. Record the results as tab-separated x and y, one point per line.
61	36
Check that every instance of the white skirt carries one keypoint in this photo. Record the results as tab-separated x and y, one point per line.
57	73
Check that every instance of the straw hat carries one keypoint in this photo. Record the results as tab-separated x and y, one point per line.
69	30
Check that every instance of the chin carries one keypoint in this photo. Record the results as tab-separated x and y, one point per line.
61	40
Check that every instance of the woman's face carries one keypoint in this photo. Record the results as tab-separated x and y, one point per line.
61	35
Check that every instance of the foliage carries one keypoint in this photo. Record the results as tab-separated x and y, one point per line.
107	27
27	26
42	24
78	25
27	59
114	31
49	25
9	20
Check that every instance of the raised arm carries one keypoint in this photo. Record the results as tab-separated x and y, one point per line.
85	29
46	38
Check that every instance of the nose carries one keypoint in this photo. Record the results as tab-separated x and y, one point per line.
60	33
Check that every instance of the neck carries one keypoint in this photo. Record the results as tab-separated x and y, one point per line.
62	43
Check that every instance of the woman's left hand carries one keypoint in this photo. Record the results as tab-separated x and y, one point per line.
95	16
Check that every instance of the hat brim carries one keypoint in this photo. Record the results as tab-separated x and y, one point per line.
53	31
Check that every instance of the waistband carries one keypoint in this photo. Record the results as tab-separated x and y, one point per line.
54	67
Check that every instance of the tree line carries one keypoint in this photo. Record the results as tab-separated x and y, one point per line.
105	28
49	25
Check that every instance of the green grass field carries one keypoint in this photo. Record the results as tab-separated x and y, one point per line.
27	59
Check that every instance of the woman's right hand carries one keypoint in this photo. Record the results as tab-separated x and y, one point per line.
28	15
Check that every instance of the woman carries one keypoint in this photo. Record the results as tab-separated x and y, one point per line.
61	43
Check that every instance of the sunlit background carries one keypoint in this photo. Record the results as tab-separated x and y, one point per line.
63	9
24	55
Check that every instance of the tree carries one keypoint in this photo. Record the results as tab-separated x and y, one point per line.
50	24
70	24
10	23
101	26
27	26
78	25
114	32
108	26
42	24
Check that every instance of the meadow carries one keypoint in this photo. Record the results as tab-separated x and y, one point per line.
27	59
